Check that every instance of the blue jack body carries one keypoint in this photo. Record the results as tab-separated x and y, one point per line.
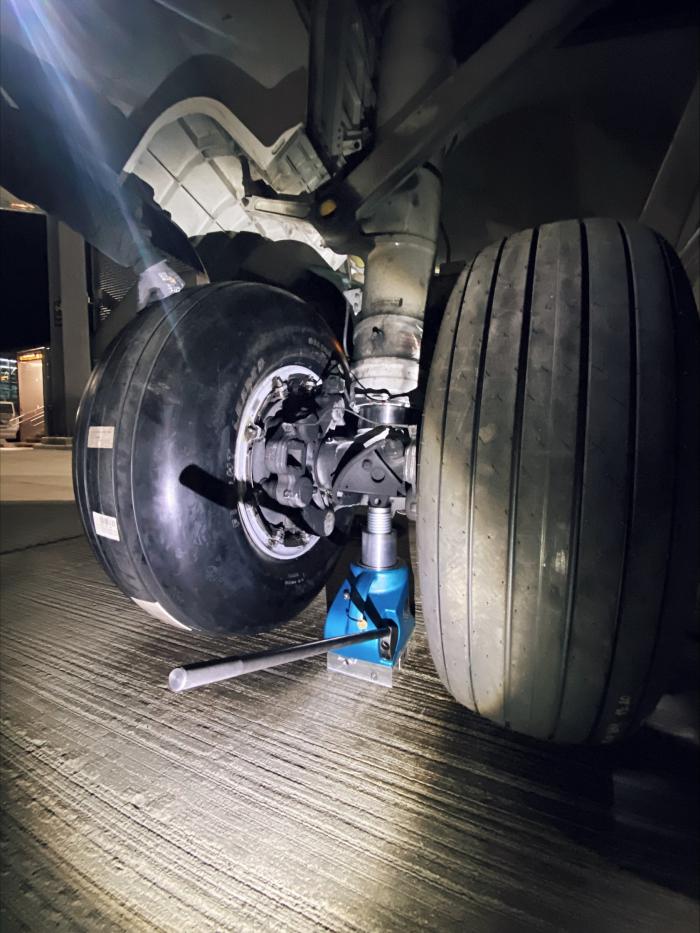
366	598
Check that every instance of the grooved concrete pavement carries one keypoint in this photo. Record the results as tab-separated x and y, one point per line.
297	800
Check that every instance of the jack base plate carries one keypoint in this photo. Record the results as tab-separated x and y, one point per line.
379	674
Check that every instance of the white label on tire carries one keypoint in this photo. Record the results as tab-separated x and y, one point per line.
157	611
101	435
105	526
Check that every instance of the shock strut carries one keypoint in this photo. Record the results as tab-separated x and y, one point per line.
416	51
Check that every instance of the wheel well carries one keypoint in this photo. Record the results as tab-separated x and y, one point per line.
205	167
287	264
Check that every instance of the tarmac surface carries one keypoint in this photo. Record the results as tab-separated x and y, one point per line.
29	473
295	799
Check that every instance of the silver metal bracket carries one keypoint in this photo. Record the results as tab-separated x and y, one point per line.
382	675
296	167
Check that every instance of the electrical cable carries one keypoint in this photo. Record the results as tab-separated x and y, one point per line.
377	395
356	414
384	394
345	327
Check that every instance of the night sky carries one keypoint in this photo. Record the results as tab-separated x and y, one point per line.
24	307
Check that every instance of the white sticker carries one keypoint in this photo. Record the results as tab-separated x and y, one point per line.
101	435
157	611
105	526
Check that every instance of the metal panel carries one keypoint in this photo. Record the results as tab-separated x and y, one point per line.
450	110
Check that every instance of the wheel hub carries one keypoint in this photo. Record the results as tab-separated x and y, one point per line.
298	460
265	512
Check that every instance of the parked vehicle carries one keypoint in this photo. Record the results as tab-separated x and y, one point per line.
9	422
542	428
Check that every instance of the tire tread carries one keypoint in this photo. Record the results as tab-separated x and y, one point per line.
564	412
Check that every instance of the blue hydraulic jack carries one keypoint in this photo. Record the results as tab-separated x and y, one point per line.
373	595
367	628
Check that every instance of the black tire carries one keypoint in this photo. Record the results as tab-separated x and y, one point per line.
172	386
558	487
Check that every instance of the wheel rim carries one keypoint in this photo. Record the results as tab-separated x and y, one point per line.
257	521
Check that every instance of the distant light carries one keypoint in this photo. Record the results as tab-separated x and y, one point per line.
11	202
8	100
